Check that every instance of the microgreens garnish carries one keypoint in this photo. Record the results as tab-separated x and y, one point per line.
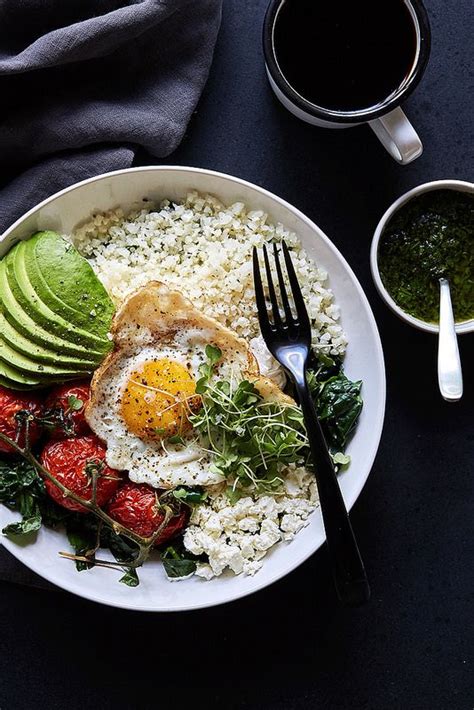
213	354
74	403
251	440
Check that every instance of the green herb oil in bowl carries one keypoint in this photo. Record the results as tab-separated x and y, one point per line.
430	237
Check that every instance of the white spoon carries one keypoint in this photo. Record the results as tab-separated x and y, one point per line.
449	362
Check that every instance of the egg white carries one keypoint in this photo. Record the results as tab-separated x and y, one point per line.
158	463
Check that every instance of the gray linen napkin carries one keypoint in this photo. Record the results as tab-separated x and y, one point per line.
83	85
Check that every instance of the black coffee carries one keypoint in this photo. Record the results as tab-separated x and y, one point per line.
345	55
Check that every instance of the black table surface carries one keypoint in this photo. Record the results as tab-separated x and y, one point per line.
292	646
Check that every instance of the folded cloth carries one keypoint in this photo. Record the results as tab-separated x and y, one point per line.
84	83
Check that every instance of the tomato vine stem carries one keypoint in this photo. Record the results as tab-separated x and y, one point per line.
144	543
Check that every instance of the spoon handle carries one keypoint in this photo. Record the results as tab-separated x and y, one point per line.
449	362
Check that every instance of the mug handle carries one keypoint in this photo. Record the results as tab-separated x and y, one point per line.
398	136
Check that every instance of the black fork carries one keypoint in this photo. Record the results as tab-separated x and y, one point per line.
288	337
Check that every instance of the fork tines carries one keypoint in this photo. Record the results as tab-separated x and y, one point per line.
300	318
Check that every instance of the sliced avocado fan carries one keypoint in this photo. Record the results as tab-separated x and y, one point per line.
40	354
25	325
14	379
66	282
32	303
32	367
55	315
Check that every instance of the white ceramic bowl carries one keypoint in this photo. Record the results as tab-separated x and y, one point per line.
65	210
459	185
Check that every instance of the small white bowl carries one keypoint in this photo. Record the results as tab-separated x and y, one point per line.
460	186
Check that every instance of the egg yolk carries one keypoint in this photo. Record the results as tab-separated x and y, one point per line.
158	398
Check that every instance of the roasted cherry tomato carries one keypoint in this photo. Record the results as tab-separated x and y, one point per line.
74	462
134	505
13	421
65	405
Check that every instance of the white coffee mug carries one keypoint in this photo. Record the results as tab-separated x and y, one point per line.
386	119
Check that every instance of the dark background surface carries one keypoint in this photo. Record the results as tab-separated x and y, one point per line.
292	646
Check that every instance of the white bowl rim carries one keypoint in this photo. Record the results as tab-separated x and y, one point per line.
448	184
379	415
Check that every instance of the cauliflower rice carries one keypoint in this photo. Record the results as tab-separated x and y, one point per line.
203	249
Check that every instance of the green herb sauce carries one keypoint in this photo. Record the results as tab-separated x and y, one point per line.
429	237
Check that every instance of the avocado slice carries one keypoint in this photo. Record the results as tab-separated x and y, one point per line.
14	379
66	282
22	322
38	370
9	384
25	346
31	303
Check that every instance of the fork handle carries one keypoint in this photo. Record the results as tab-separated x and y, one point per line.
348	570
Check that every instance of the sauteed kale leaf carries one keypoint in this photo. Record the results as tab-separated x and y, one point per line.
177	561
23	490
338	400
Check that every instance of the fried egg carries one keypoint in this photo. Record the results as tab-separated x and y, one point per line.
144	393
